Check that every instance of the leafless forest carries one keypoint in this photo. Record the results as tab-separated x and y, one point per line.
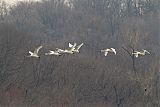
88	78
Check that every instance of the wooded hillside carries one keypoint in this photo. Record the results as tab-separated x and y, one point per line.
88	78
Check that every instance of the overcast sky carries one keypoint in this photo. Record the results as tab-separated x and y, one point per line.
14	1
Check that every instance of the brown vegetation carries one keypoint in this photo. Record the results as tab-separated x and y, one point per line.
85	79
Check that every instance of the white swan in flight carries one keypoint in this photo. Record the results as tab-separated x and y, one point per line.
108	50
71	48
57	52
77	47
53	53
137	53
35	53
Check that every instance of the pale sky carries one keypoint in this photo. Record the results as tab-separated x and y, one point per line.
14	1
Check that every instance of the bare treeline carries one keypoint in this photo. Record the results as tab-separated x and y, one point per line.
87	79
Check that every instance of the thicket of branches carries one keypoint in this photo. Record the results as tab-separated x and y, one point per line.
87	79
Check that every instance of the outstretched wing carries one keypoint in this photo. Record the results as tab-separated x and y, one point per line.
79	46
136	55
114	50
146	51
106	53
70	45
73	47
37	49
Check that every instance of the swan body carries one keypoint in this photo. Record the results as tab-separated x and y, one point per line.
53	53
57	52
142	53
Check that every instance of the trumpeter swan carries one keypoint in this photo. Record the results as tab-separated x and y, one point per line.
108	50
35	53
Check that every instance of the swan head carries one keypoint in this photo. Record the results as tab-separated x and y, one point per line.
102	50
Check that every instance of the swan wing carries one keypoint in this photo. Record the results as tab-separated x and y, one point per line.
148	52
113	50
73	47
79	46
136	55
70	45
106	53
37	49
